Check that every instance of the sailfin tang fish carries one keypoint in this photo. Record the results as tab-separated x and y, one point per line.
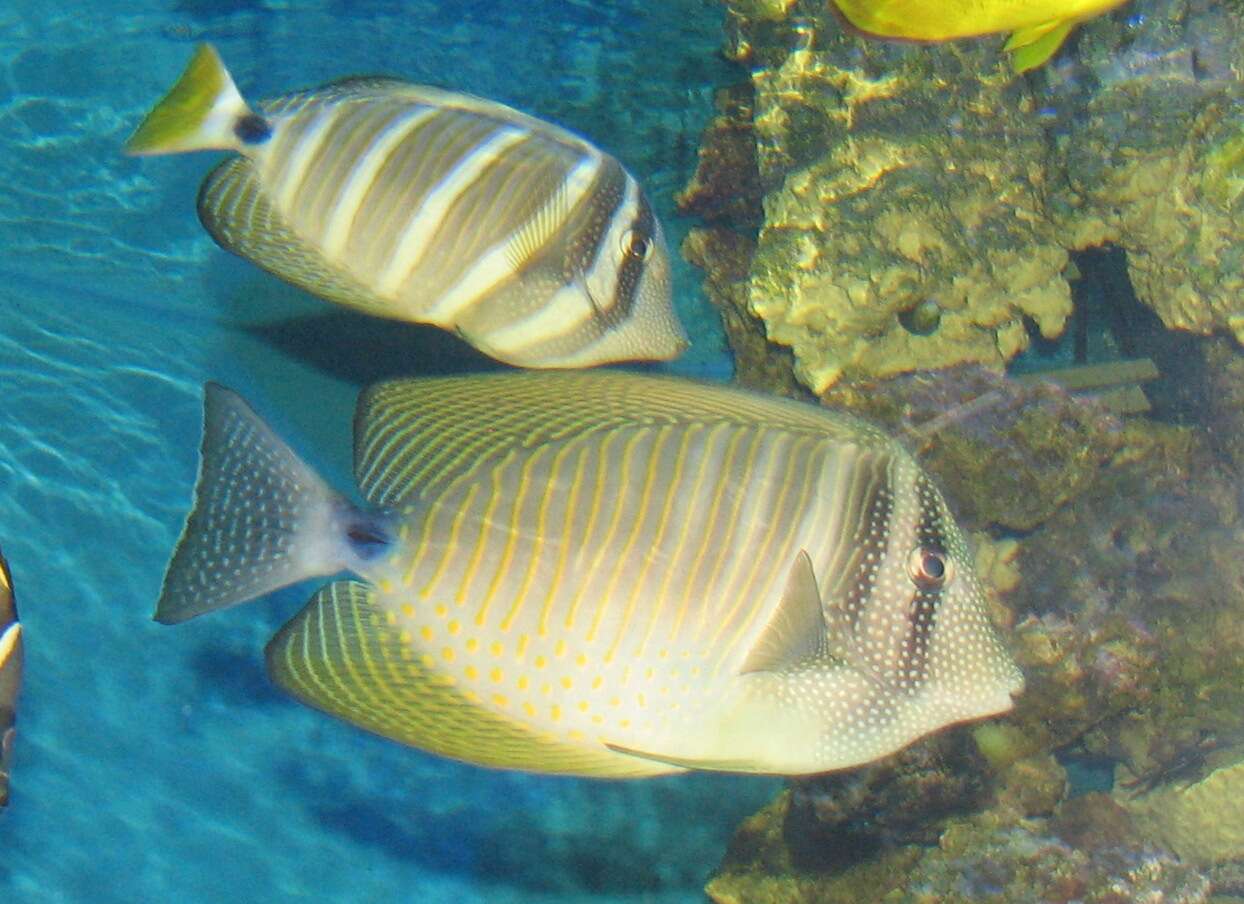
1038	27
10	676
602	573
418	204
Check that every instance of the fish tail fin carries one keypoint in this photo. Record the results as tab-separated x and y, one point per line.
1031	47
262	518
203	111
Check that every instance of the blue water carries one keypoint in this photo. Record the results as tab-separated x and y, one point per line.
157	764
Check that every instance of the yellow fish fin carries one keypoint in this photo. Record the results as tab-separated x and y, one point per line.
201	112
340	654
416	436
796	630
240	216
1031	47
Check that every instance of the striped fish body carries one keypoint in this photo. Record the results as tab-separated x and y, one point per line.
608	574
10	676
418	204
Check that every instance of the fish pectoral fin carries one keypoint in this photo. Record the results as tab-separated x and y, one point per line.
241	217
342	654
1033	46
714	765
541	229
796	631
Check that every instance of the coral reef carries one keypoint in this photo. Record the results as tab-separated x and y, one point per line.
983	860
919	204
1200	821
1008	453
1127	612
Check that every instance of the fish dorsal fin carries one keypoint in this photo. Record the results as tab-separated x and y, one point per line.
796	631
415	436
342	654
238	213
1030	47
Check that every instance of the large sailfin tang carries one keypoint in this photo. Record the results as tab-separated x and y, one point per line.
344	655
262	519
11	655
203	111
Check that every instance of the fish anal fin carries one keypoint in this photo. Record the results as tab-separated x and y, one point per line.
1033	46
342	654
241	217
796	631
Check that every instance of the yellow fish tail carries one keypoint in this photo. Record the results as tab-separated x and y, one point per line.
1031	47
203	111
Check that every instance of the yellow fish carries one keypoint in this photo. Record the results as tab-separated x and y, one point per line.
602	574
10	675
1038	27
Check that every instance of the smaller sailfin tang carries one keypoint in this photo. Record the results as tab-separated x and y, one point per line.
262	519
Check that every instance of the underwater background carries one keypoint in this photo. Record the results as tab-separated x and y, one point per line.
910	231
157	764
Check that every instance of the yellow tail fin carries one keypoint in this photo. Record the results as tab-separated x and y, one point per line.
199	113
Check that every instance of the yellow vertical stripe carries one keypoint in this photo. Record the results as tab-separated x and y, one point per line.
566	541
513	535
624	559
755	442
673	485
585	544
766	560
692	585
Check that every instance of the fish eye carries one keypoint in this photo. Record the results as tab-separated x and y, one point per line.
929	566
636	245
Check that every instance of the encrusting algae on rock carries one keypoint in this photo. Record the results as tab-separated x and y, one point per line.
1203	820
920	205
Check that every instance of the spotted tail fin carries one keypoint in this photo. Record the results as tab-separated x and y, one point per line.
262	519
203	111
